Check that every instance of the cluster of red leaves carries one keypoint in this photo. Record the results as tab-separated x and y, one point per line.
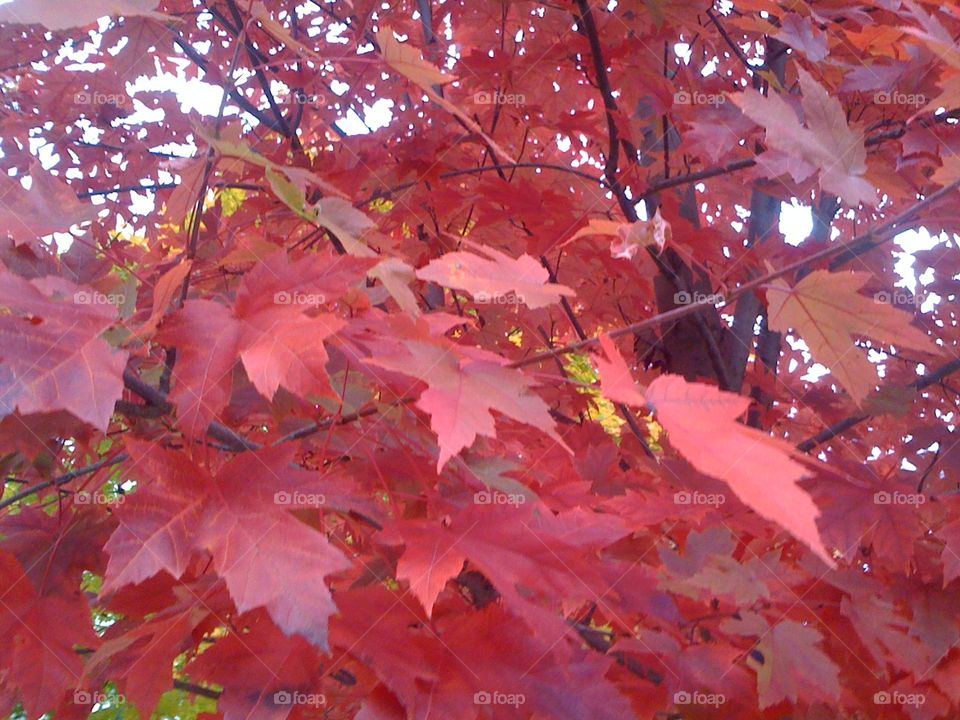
316	416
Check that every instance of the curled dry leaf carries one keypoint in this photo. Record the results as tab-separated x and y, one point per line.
631	237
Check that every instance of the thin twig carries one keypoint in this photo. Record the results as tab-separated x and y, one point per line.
163	186
726	36
63	479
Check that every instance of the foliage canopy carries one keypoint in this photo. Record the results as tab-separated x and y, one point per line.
454	364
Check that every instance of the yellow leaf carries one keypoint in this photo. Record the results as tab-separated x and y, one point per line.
231	199
292	196
407	60
236	148
347	223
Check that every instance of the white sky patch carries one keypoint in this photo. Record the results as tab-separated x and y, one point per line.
815	371
910	242
375	116
796	222
334	33
194	96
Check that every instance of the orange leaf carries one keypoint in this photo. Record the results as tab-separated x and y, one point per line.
407	60
828	312
631	237
164	291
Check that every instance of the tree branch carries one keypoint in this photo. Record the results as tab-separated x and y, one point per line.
254	55
878	236
750	162
627	206
387	192
589	29
696	177
312	428
197	689
836	429
163	186
157	399
726	37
